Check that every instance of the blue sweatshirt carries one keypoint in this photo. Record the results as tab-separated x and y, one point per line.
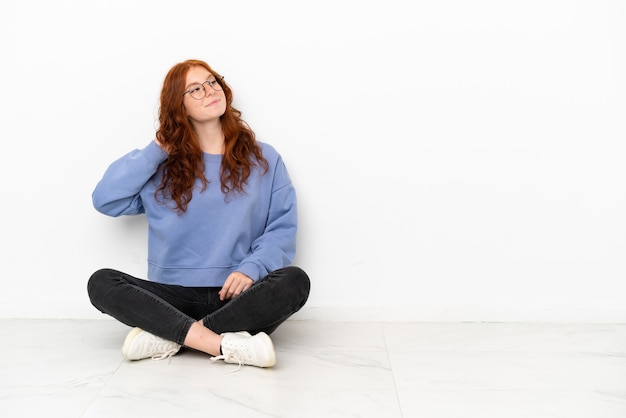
253	233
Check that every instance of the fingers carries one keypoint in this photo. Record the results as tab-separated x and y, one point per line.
236	283
232	290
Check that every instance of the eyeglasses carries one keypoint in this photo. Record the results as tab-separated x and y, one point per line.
198	91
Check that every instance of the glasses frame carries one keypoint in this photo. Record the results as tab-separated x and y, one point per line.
218	80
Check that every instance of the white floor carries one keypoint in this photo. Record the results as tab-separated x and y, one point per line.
73	368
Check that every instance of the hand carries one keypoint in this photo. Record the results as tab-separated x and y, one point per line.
235	284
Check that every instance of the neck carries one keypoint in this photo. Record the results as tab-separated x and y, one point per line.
211	138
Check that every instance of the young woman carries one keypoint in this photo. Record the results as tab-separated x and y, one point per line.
222	219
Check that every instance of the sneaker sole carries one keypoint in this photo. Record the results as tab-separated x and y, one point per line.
127	342
271	355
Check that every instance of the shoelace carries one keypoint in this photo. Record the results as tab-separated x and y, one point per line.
233	355
167	355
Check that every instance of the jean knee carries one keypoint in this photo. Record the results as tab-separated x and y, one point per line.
97	283
300	281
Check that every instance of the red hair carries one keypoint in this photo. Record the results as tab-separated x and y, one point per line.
185	162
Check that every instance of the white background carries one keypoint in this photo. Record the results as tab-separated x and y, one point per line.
454	160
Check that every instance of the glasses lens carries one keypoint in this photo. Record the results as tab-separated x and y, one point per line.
196	91
215	85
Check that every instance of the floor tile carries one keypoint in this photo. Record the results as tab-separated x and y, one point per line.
512	404
74	368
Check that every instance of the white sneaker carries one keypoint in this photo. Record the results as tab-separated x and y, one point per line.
244	349
140	344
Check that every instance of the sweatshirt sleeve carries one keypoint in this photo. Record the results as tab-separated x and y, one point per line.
117	193
276	247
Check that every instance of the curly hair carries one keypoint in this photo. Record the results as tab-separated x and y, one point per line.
185	162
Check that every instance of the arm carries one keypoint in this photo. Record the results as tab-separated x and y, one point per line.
117	193
276	247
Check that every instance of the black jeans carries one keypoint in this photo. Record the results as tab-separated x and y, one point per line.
168	311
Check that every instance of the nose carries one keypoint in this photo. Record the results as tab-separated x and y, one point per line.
207	89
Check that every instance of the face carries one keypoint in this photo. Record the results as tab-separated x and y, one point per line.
211	103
